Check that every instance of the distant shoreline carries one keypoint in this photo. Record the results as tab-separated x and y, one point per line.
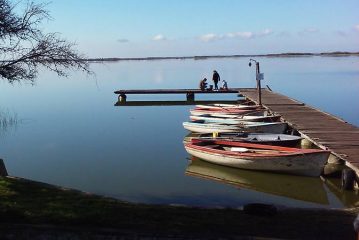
290	54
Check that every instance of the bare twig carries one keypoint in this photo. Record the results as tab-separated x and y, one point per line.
24	47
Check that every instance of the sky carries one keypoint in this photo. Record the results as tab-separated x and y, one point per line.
144	28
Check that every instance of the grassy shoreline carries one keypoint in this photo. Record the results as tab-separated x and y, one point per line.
27	203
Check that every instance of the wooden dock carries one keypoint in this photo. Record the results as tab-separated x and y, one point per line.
190	93
321	128
325	130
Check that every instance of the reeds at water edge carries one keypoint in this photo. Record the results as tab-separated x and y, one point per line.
7	120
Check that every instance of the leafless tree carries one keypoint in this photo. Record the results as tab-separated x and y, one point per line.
24	47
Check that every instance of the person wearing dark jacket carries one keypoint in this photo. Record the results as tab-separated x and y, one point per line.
216	78
203	84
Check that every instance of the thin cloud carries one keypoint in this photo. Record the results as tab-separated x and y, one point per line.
122	40
210	37
356	27
159	37
245	35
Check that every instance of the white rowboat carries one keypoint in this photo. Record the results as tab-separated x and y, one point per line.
235	120
259	127
236	112
308	162
226	106
260	138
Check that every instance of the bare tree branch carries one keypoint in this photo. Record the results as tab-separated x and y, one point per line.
24	47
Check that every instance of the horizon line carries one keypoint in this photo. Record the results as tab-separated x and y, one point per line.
198	57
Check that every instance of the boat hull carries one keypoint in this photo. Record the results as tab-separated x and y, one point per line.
258	138
257	127
308	164
233	113
226	106
209	128
213	119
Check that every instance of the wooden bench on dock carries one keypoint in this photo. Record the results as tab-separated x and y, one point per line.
190	93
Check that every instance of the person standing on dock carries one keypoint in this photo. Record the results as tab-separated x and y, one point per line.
216	78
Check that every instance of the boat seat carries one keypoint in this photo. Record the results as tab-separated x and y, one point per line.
239	149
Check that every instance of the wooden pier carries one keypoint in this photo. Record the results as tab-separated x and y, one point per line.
323	129
190	93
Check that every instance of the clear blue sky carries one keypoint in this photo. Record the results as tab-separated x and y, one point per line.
140	28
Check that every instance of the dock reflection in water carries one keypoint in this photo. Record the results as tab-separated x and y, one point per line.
307	189
173	103
348	198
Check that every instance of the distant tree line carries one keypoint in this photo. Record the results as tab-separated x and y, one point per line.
290	54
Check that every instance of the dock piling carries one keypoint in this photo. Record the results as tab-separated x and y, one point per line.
348	179
122	98
190	96
258	79
258	84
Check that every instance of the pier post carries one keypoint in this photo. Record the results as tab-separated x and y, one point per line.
258	79
348	179
190	96
122	98
258	84
3	172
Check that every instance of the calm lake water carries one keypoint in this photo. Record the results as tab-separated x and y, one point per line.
68	131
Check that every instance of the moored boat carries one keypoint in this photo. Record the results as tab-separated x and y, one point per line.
237	112
226	106
236	120
308	162
259	127
209	128
260	138
236	116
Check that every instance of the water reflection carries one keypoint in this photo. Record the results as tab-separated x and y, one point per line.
7	120
347	198
307	189
80	140
172	103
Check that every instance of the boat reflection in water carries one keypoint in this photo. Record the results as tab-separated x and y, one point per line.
307	189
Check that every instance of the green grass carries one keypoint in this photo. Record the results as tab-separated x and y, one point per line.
24	201
35	202
32	202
